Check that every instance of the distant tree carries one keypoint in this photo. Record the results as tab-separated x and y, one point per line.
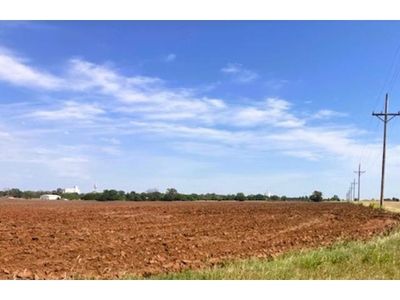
316	196
58	191
16	193
92	196
260	197
70	196
154	196
335	198
29	194
257	197
240	197
132	196
112	195
143	197
171	195
194	197
274	198
209	196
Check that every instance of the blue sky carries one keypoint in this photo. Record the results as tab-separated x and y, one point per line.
222	107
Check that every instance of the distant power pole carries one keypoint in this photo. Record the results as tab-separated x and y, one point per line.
353	189
383	116
359	172
348	195
350	192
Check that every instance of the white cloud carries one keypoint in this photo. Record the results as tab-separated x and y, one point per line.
110	150
145	95
274	112
276	84
111	140
216	102
239	73
15	71
69	166
170	57
42	156
326	114
309	155
70	111
147	104
4	135
193	132
160	110
337	142
84	75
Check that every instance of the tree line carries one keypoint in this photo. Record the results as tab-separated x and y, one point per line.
171	194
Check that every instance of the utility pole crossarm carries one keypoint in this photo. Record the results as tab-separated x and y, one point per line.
381	114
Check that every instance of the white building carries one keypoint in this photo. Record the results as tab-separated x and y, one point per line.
50	197
75	189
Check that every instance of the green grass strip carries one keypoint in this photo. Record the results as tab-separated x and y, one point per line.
376	259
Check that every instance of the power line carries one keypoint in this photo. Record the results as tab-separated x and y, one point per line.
383	116
391	77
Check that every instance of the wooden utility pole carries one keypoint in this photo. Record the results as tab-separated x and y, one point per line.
353	188
351	192
385	120
359	172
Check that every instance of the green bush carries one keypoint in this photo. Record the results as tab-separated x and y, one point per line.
316	196
71	196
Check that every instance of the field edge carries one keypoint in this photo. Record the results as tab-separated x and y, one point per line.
378	258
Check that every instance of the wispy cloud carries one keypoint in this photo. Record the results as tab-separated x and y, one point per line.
115	105
71	110
238	73
170	57
327	114
14	70
276	84
145	95
274	112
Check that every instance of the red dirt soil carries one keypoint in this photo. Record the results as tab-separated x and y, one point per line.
77	239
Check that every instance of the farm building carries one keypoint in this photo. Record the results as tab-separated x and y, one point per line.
75	189
50	197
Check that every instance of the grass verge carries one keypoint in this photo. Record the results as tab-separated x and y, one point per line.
376	259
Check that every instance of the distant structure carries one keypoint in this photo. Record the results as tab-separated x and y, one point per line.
94	188
75	189
268	194
50	197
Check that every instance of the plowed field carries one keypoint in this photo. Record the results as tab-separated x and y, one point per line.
77	239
